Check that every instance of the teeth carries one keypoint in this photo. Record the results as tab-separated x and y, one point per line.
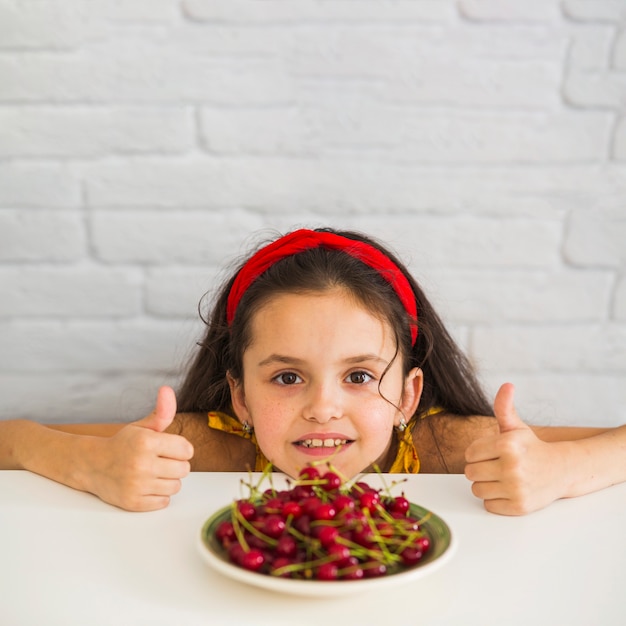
323	443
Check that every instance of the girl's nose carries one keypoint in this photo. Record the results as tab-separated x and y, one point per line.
323	403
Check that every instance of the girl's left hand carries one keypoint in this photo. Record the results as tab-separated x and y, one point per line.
513	471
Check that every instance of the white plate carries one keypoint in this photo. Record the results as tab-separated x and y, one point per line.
441	550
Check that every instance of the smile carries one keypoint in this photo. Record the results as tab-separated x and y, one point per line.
323	443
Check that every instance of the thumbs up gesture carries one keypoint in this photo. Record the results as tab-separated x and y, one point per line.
512	470
141	466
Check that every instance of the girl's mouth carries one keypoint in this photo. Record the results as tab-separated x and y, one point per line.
323	443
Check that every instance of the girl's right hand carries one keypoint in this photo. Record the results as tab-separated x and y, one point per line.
141	466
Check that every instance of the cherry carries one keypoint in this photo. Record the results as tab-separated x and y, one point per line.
354	572
278	564
330	482
340	553
369	500
252	560
247	510
411	555
292	509
374	569
225	532
423	543
273	526
324	511
286	545
327	535
399	505
343	504
309	473
327	571
310	505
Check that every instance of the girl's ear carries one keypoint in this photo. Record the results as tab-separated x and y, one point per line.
238	399
413	386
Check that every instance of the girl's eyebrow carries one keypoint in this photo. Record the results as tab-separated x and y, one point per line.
291	360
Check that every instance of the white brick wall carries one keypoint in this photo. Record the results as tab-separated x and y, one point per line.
143	143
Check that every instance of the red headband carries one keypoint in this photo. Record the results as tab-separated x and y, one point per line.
301	240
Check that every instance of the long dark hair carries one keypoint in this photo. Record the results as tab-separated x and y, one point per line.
450	382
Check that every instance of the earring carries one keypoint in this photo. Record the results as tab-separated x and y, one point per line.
247	428
401	427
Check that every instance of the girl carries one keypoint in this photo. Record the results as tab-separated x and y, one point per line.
322	346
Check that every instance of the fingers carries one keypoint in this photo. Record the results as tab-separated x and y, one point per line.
504	409
164	411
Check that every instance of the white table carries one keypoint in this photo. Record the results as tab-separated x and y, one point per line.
69	559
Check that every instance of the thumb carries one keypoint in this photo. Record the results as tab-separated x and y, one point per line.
164	411
504	409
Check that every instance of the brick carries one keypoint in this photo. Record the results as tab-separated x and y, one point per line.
41	236
591	47
92	346
143	11
509	10
591	348
309	10
619	51
491	297
439	242
94	131
465	137
256	131
69	292
619	301
35	24
595	89
174	292
160	237
346	185
450	83
68	397
141	73
58	186
595	10
596	238
462	55
554	399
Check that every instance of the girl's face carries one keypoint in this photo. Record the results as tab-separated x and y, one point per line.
311	383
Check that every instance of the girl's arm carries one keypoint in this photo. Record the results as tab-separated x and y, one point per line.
137	466
516	468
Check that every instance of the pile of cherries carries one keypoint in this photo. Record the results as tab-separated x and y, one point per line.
323	529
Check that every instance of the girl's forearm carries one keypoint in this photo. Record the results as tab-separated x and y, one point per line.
594	462
52	453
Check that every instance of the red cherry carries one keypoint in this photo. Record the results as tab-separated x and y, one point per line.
309	473
327	571
246	509
252	560
327	535
340	553
343	504
331	482
411	555
423	543
399	505
324	511
273	526
225	532
369	500
286	546
292	509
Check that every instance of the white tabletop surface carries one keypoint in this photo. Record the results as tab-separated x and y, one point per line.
67	558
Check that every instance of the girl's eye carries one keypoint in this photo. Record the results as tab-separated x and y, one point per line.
287	378
359	378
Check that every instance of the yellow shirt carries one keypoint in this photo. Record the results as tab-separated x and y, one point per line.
406	461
